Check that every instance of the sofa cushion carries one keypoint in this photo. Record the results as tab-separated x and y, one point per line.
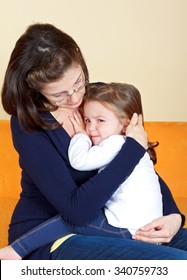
171	166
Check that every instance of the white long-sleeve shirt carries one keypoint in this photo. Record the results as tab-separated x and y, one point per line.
138	199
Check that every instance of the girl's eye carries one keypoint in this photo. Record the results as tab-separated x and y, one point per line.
86	120
100	120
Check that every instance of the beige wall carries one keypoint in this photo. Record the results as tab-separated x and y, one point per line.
143	42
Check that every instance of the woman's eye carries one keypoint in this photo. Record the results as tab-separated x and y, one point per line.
78	81
61	94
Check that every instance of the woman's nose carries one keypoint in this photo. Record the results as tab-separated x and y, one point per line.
74	96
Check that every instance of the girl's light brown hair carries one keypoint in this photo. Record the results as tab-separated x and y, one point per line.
123	99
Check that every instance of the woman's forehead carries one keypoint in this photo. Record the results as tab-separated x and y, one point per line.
68	80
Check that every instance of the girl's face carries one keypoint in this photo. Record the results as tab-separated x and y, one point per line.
100	122
68	91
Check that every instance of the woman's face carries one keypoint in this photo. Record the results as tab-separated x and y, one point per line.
68	91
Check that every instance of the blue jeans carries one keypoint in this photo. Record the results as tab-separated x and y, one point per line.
57	227
79	247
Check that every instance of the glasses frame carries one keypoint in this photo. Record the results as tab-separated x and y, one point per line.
67	94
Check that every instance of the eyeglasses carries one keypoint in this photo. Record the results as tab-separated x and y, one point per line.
65	95
61	96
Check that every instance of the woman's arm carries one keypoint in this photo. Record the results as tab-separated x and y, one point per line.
169	204
45	166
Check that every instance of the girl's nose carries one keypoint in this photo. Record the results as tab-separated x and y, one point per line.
91	126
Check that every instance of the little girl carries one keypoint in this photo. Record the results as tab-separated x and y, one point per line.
99	135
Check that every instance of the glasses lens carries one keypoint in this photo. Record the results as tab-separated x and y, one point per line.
79	88
63	95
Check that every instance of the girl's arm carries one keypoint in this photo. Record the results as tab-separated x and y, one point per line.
166	226
84	157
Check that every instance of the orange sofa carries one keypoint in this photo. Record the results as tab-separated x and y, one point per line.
172	154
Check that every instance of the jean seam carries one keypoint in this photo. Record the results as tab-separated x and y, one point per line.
121	231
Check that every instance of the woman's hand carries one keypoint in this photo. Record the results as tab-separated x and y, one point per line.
136	130
161	230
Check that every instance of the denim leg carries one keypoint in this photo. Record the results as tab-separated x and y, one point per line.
57	227
84	247
100	227
41	235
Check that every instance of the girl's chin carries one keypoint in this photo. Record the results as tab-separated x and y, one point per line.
96	141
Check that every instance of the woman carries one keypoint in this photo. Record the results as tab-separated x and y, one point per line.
44	83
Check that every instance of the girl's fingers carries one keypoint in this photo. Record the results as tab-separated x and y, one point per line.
77	116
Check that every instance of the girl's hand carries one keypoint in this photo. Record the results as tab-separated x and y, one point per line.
77	122
136	130
161	230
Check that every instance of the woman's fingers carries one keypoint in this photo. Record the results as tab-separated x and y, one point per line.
161	230
134	119
157	241
136	130
140	120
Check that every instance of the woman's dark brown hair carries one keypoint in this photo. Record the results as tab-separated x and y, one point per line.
41	55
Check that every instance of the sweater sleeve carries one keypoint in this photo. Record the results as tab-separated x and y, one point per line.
169	205
48	171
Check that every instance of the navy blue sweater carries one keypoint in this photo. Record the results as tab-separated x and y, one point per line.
51	186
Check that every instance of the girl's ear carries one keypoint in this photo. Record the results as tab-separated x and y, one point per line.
125	122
